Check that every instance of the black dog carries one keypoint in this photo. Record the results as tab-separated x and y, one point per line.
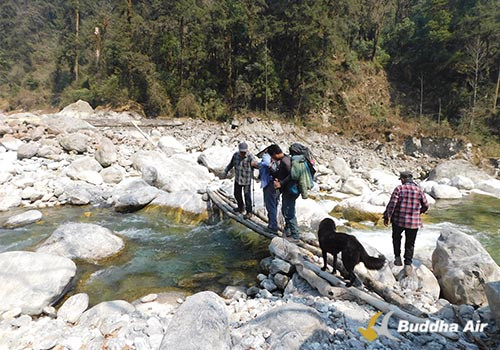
333	242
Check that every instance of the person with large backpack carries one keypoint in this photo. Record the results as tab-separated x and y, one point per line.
288	188
271	195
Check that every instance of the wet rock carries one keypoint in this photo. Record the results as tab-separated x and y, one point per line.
106	152
191	203
74	142
32	281
134	195
73	308
491	186
461	266
265	265
281	281
83	241
27	150
23	219
201	319
269	285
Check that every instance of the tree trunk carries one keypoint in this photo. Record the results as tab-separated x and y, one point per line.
77	44
495	100
375	43
421	93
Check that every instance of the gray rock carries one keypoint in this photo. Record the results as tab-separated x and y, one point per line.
27	150
170	145
268	284
451	168
439	191
74	142
106	152
32	281
461	266
265	265
492	290
49	152
215	159
290	326
78	109
279	265
73	308
281	281
134	196
462	183
23	219
354	185
232	292
149	175
491	186
10	197
77	195
58	124
10	143
340	167
97	315
253	291
113	174
82	164
201	322
83	241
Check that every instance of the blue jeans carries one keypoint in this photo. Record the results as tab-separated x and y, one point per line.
271	198
288	211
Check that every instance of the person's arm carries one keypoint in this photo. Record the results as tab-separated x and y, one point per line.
229	166
266	161
391	206
288	168
424	204
254	163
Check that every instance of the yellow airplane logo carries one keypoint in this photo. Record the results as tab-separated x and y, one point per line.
369	333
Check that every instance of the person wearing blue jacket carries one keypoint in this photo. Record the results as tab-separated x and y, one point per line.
271	195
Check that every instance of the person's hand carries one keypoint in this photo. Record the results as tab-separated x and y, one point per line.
386	221
277	184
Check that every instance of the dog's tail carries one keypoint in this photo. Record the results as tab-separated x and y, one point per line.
371	262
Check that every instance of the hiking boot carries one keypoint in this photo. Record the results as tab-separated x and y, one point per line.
274	231
248	215
408	270
397	261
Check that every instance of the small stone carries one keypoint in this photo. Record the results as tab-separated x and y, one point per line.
180	301
50	311
268	284
253	291
12	313
261	277
149	298
281	281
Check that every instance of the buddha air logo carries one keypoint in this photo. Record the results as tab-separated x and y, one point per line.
372	331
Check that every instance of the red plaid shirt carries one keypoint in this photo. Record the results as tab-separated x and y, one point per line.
407	202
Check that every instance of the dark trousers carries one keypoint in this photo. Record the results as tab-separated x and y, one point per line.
239	198
410	235
271	198
288	211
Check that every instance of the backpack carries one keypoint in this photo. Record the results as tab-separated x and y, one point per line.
299	149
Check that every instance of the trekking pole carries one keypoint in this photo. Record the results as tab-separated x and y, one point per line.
253	193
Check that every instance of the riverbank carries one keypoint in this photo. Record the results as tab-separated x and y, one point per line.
61	159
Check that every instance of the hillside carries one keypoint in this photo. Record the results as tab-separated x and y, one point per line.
366	67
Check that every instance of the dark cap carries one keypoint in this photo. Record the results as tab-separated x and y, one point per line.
243	147
405	175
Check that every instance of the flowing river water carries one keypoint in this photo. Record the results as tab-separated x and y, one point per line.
161	255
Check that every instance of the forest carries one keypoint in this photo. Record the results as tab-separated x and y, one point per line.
212	59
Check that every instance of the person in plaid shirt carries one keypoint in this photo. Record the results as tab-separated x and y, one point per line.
407	202
243	163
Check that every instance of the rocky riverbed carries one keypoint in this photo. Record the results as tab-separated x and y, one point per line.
50	160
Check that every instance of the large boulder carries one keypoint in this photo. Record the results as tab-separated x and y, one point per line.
340	167
491	186
462	182
451	168
355	186
79	109
23	219
187	205
201	322
310	213
170	145
32	281
461	266
59	124
83	241
81	165
74	142
290	326
439	191
435	147
492	290
194	176
133	195
106	152
27	150
383	179
216	158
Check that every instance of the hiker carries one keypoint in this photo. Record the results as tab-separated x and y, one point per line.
288	188
407	202
271	195
243	163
